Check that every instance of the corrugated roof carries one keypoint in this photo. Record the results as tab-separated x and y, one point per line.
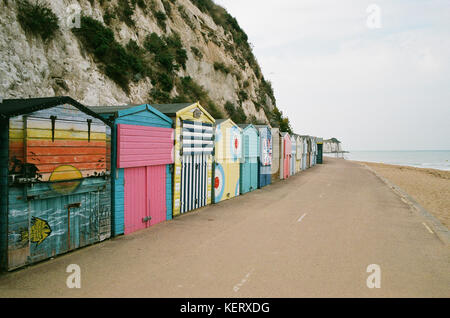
171	109
22	106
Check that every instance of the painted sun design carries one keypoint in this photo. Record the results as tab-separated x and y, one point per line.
64	174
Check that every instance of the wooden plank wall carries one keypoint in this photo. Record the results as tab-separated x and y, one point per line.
275	154
188	114
228	157
4	131
142	118
139	146
67	153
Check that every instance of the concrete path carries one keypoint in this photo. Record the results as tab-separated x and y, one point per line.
313	235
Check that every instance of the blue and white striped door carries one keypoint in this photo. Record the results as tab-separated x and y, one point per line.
198	145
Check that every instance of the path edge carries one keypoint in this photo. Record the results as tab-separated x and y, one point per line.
439	229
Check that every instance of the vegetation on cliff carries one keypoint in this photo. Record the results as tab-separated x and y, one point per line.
162	58
37	19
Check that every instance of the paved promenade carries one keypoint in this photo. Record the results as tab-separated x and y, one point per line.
313	235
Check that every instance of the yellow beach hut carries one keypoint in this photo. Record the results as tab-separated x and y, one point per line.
193	155
227	158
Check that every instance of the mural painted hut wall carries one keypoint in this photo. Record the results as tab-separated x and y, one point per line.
293	155
193	155
286	154
58	181
227	159
275	132
142	155
249	164
265	155
4	160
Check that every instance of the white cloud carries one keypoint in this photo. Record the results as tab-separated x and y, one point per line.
335	77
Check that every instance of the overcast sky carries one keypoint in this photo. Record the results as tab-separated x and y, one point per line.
382	88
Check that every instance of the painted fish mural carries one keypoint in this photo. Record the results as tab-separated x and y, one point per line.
39	231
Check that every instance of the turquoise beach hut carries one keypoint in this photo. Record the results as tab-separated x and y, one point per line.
141	157
250	153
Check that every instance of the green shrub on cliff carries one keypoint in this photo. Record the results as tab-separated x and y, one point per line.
191	91
236	114
118	63
37	19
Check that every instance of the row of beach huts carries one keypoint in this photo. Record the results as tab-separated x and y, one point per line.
73	175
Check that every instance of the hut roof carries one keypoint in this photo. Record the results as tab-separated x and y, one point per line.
171	109
263	126
247	126
222	120
22	106
219	121
124	110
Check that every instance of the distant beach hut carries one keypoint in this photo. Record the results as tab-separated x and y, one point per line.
285	141
142	155
320	150
332	147
265	155
293	154
309	150
275	133
227	158
193	155
55	179
314	143
304	151
313	151
249	164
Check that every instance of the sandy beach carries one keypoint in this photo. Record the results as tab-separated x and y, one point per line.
429	187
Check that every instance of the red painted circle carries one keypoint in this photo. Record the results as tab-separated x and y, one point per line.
236	143
216	182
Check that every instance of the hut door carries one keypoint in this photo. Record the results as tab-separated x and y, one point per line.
145	197
246	171
319	153
63	223
194	182
135	199
198	146
156	193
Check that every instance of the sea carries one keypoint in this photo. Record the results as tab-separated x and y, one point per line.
432	159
